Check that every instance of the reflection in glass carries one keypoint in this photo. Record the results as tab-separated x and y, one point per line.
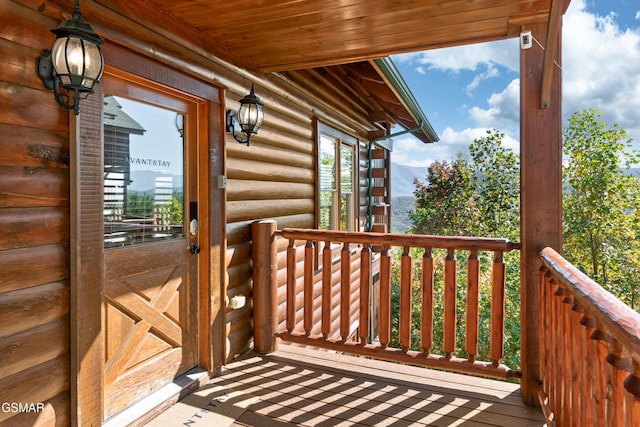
143	173
327	178
346	187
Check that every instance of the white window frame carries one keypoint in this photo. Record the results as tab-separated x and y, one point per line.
342	141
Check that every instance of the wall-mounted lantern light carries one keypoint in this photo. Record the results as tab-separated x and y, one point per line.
74	64
248	120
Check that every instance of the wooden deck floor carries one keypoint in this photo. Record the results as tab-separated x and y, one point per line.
312	388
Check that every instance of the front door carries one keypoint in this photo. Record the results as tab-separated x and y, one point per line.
150	318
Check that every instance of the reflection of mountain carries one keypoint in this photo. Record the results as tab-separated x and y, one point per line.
145	181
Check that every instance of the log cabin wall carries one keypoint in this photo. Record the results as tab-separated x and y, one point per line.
34	225
273	178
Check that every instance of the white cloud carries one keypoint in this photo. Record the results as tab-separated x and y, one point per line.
470	57
503	112
601	68
411	152
492	71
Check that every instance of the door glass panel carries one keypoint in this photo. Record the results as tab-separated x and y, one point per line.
143	173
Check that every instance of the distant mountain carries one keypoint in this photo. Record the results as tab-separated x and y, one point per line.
402	200
402	179
145	180
400	207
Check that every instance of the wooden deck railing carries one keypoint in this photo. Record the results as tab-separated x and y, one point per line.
590	350
310	281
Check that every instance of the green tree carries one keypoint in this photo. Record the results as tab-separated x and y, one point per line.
444	206
601	213
496	170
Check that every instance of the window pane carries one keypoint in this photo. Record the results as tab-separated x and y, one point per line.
327	163
143	173
327	182
346	187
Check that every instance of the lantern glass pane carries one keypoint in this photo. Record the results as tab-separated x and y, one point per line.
58	57
93	65
75	56
250	117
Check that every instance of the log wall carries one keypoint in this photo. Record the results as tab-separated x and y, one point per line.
273	178
34	226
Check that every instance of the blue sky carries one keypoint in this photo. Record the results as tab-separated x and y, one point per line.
465	90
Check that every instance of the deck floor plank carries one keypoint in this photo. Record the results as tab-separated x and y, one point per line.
315	388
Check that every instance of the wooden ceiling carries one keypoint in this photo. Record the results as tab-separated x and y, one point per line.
269	35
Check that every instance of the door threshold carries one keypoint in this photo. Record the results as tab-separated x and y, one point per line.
159	401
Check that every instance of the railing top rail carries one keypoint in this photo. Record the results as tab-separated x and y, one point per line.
413	240
615	316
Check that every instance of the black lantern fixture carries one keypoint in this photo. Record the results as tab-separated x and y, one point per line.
74	64
248	120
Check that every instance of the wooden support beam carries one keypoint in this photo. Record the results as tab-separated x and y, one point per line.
541	195
553	34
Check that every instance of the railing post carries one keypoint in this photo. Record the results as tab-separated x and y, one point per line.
265	294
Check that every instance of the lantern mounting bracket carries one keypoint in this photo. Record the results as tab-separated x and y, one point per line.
46	72
233	126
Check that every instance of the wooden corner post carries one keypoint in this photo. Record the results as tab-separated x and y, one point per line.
540	187
265	293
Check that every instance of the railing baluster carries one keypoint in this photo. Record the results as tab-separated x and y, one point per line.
497	308
543	329
576	360
385	297
365	298
405	300
450	296
308	286
632	397
567	301
473	272
588	366
427	301
616	372
601	341
326	289
291	286
558	372
345	291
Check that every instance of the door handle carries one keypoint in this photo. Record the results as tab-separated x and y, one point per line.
194	249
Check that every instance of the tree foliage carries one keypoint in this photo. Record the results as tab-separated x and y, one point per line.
497	189
479	196
601	204
444	206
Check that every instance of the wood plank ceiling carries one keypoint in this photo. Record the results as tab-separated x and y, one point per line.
269	35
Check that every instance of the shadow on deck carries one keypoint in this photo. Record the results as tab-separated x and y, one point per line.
305	387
